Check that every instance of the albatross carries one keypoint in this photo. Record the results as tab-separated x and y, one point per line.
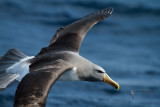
59	61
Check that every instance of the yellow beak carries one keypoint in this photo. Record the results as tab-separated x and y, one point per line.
109	81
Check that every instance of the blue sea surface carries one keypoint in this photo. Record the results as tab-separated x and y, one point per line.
126	45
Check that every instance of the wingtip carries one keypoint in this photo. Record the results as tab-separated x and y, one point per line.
107	11
110	10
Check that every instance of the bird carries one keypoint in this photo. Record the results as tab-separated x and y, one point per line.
59	61
144	91
132	94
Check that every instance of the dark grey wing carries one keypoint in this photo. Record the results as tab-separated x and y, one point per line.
35	86
70	37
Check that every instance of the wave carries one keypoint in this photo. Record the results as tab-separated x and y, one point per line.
120	8
152	72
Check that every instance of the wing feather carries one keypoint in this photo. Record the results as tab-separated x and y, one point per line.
35	86
71	36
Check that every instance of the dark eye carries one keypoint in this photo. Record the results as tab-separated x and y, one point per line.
99	71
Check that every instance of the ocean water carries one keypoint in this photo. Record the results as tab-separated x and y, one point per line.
126	45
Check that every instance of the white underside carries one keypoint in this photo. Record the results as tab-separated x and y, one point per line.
22	68
69	75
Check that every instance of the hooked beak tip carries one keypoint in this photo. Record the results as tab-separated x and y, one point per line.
109	81
117	86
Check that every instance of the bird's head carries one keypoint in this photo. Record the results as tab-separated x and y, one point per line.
97	73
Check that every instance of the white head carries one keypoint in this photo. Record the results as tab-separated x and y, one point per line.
95	73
